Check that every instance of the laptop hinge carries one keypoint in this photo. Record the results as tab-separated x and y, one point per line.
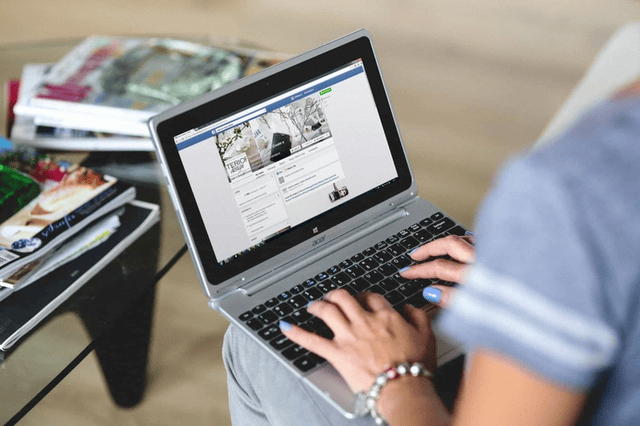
306	259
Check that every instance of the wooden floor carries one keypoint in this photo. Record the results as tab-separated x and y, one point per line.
471	83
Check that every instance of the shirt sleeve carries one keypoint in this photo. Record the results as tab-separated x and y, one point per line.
533	294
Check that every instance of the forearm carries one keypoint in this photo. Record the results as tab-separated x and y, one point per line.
410	401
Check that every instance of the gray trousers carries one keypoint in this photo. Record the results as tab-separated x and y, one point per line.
263	392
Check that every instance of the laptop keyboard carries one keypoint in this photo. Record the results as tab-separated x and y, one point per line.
374	269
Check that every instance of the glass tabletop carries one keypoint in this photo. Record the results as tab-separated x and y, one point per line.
44	356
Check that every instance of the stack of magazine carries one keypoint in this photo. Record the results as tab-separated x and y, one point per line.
55	216
99	96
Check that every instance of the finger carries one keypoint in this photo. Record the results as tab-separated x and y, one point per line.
374	301
418	318
458	248
440	295
311	341
444	269
330	313
350	307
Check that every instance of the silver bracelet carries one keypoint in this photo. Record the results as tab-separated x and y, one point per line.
365	403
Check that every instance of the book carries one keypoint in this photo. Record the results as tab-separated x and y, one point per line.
26	308
87	239
56	213
115	84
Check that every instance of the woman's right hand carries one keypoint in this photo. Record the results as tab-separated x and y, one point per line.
446	259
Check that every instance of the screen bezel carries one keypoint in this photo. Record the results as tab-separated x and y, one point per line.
261	87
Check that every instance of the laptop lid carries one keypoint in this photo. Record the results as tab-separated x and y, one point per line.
282	163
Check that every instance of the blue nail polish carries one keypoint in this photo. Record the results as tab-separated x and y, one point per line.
284	326
413	251
309	304
469	234
404	269
432	294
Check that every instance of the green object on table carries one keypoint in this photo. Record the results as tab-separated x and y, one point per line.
16	191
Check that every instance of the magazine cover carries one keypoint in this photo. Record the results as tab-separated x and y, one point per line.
28	307
59	210
133	78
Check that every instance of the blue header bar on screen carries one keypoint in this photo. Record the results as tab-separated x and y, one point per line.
271	107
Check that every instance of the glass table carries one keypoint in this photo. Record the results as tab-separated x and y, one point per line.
112	313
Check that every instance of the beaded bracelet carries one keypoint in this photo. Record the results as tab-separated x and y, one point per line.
365	402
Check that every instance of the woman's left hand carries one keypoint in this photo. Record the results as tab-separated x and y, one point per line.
369	335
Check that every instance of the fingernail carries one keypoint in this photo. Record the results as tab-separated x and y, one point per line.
469	233
413	251
406	268
309	304
432	294
284	326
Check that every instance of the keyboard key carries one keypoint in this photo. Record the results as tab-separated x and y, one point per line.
316	358
333	270
381	245
368	252
281	342
410	243
403	234
422	283
268	317
417	300
441	226
437	216
400	262
259	309
426	222
297	289
247	315
301	316
304	364
387	270
357	258
283	309
373	277
392	239
355	271
298	302
382	257
309	283
270	332
341	279
396	250
312	294
394	297
285	295
345	263
376	289
255	324
399	278
359	285
321	276
423	236
294	352
408	289
271	302
458	230
327	286
415	227
369	264
389	284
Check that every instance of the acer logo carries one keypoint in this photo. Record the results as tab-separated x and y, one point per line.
318	241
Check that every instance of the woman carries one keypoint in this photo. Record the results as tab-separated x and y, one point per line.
549	309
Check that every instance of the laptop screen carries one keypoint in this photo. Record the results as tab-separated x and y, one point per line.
286	160
284	156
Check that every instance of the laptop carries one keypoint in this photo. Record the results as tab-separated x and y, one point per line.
290	183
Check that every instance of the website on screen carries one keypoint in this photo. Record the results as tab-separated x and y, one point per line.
286	160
